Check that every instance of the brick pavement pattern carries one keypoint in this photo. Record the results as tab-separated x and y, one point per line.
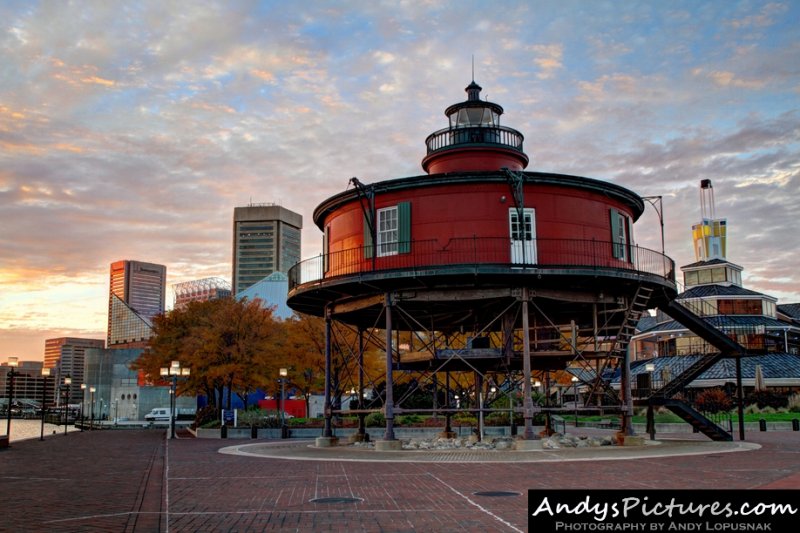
137	481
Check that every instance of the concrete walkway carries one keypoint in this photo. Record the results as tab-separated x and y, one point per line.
138	481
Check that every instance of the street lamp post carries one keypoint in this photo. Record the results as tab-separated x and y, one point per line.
575	384
92	390
651	421
83	404
45	375
538	385
283	373
174	371
13	363
67	383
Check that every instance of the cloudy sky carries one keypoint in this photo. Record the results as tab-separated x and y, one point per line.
130	130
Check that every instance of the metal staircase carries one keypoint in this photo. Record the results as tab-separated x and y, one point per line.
601	384
691	373
693	417
727	348
703	329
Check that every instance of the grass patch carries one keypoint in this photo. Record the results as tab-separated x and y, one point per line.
670	418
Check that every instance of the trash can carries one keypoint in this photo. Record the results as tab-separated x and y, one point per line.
762	425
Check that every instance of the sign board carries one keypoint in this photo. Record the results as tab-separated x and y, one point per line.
230	417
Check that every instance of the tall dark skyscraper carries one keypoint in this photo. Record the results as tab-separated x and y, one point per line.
266	239
136	294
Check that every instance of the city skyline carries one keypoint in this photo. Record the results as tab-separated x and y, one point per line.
134	131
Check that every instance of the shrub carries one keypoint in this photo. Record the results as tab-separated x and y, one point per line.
305	422
433	422
250	418
752	409
259	418
348	422
794	403
713	401
465	419
496	419
409	420
205	416
375	420
766	398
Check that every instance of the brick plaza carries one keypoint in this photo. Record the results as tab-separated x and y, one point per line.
137	481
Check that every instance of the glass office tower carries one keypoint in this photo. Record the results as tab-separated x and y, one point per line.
136	294
266	239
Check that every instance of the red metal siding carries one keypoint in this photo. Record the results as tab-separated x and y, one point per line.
474	160
442	213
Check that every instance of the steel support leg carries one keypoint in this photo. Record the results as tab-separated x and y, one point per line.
527	402
327	430
389	407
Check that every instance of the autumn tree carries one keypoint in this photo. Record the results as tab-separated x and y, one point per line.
303	352
230	345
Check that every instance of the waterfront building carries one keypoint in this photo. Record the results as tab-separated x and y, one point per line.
65	356
266	239
715	293
136	294
200	290
28	384
121	392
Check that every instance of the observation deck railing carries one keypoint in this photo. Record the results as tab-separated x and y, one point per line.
483	252
499	135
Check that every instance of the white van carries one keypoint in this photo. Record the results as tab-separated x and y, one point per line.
159	413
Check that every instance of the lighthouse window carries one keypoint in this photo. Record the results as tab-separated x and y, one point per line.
392	231
621	235
387	231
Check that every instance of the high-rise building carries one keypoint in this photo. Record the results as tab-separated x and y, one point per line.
266	239
136	295
28	384
66	356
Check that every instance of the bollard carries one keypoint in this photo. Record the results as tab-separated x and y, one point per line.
223	431
253	432
795	424
284	432
762	425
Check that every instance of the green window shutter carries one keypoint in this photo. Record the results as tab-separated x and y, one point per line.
616	247
326	250
368	244
629	236
404	227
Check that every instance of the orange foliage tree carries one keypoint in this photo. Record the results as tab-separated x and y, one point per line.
229	344
303	353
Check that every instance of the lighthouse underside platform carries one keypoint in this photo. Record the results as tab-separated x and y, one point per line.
470	319
452	299
489	361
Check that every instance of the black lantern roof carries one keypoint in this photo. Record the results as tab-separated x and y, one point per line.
474	111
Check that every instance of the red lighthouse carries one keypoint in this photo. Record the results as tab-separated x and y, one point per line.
487	268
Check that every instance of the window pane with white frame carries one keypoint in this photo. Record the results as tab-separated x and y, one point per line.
387	231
